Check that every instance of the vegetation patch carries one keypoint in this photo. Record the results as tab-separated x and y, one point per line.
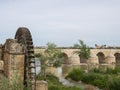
108	79
54	84
76	74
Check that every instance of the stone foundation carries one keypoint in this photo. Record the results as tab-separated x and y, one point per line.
41	85
13	60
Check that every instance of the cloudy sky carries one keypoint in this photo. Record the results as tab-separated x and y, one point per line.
62	22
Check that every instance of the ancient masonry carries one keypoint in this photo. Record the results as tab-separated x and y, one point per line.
17	60
13	59
97	56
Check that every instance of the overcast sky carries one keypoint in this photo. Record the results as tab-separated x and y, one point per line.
62	22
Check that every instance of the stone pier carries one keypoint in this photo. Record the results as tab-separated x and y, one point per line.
13	60
41	85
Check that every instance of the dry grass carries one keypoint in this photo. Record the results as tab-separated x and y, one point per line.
90	87
6	85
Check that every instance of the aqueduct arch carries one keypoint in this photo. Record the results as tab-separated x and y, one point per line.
98	56
65	58
101	57
117	57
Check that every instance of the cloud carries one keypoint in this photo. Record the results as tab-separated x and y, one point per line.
62	21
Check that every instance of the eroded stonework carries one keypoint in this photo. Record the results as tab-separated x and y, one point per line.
17	61
110	56
41	85
13	60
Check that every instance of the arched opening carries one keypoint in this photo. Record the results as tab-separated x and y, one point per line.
101	58
117	57
65	58
82	59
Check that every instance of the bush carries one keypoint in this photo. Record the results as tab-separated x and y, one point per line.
6	84
54	87
108	79
114	84
76	74
100	83
71	88
97	70
54	84
107	71
111	71
94	79
89	77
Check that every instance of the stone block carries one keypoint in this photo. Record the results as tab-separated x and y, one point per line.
1	66
14	60
41	85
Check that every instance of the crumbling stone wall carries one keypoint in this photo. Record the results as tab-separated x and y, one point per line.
13	60
0	52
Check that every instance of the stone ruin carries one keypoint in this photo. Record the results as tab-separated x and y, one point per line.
13	61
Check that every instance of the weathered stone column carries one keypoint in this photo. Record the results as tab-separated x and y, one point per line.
13	60
110	59
74	59
0	52
93	59
1	66
1	61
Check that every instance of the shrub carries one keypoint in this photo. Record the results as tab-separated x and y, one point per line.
114	84
94	79
107	79
71	88
111	71
6	84
54	87
107	71
100	83
76	74
39	77
89	77
95	70
54	84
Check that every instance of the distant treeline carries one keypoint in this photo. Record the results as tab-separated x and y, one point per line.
108	47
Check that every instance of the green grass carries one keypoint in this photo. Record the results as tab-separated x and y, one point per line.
54	84
107	71
5	84
108	79
76	74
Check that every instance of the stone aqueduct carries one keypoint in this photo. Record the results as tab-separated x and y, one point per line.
17	58
97	56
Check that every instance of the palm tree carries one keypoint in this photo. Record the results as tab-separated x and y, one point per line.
83	51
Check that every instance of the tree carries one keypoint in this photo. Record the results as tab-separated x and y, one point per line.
51	57
84	50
